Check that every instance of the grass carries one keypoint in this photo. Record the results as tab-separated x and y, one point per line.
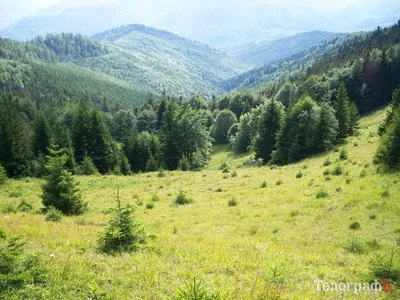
275	242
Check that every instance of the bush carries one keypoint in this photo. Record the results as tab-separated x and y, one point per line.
155	198
322	194
18	267
182	199
24	206
299	175
363	173
355	226
279	182
386	266
354	246
338	170
264	184
196	290
161	173
385	193
232	202
60	189
53	215
327	172
3	175
327	162
225	170
184	164
343	154
150	205
123	233
234	174
8	208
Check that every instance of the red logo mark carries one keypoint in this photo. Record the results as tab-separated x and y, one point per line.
387	287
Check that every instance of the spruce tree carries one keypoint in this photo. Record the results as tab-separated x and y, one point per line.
242	139
41	135
388	153
326	128
342	112
60	189
14	141
269	123
167	136
100	143
81	130
389	117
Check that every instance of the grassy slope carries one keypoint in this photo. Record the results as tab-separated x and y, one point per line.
233	249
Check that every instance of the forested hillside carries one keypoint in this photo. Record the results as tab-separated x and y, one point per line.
266	52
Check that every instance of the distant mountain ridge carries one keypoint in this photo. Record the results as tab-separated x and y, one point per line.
226	27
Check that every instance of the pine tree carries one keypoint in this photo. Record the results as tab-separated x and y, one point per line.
388	152
123	233
167	136
269	123
81	131
100	143
342	112
60	189
326	128
389	117
87	167
242	139
41	135
14	140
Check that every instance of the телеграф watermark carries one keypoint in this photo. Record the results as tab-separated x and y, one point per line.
376	287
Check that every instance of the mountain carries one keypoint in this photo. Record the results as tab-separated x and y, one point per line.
132	61
220	24
224	25
294	64
263	53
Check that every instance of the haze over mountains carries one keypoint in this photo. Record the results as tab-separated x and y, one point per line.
224	25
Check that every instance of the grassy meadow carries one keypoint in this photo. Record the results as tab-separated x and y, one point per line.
286	227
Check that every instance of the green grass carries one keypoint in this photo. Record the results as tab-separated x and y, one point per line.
275	243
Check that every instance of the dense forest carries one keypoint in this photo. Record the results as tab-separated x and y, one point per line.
282	122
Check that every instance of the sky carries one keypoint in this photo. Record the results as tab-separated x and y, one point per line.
12	10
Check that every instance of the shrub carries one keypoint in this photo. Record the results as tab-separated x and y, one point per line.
327	172
279	182
161	173
18	267
150	205
355	246
15	194
385	193
234	174
338	170
386	266
322	194
53	214
343	154
123	233
327	162
182	199
2	233
264	184
60	189
363	173
225	170
355	226
219	190
184	164
232	202
196	290
299	175
24	206
8	208
155	198
3	175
